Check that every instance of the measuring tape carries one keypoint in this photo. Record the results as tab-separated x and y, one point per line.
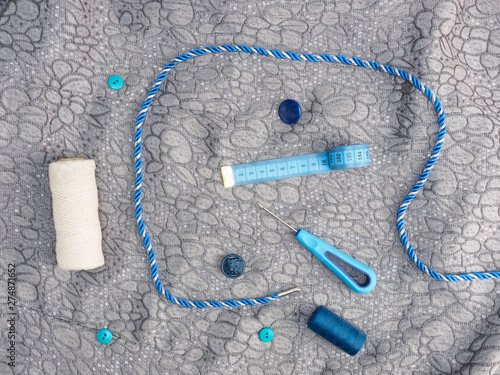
335	159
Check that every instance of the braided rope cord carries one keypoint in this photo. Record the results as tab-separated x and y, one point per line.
339	59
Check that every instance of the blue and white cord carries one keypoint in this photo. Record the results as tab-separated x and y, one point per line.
339	59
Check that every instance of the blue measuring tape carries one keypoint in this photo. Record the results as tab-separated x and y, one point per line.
334	59
335	159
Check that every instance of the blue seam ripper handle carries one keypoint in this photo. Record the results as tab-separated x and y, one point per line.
336	159
321	249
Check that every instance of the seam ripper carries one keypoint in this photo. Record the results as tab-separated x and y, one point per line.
326	253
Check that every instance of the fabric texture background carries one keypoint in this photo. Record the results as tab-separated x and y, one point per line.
55	59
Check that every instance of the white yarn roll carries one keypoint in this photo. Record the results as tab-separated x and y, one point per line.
76	219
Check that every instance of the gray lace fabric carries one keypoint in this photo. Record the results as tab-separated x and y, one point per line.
55	59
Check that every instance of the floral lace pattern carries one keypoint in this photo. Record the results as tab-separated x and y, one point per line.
55	59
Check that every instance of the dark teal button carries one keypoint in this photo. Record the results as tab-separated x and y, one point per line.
233	266
104	336
115	82
289	111
266	334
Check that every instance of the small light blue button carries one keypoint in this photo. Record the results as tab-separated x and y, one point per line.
104	336
266	334
289	111
115	82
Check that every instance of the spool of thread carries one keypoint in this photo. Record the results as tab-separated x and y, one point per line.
336	330
76	219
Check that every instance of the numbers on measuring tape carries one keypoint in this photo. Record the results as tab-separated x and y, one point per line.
338	158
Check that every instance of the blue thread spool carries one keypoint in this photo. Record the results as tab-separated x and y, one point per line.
336	330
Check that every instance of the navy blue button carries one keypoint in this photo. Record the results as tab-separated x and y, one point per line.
233	266
289	111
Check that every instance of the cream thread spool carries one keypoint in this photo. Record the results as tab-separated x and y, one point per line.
75	212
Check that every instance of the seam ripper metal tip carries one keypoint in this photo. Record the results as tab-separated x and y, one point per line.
326	253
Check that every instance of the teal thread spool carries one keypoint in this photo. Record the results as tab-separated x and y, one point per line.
336	330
